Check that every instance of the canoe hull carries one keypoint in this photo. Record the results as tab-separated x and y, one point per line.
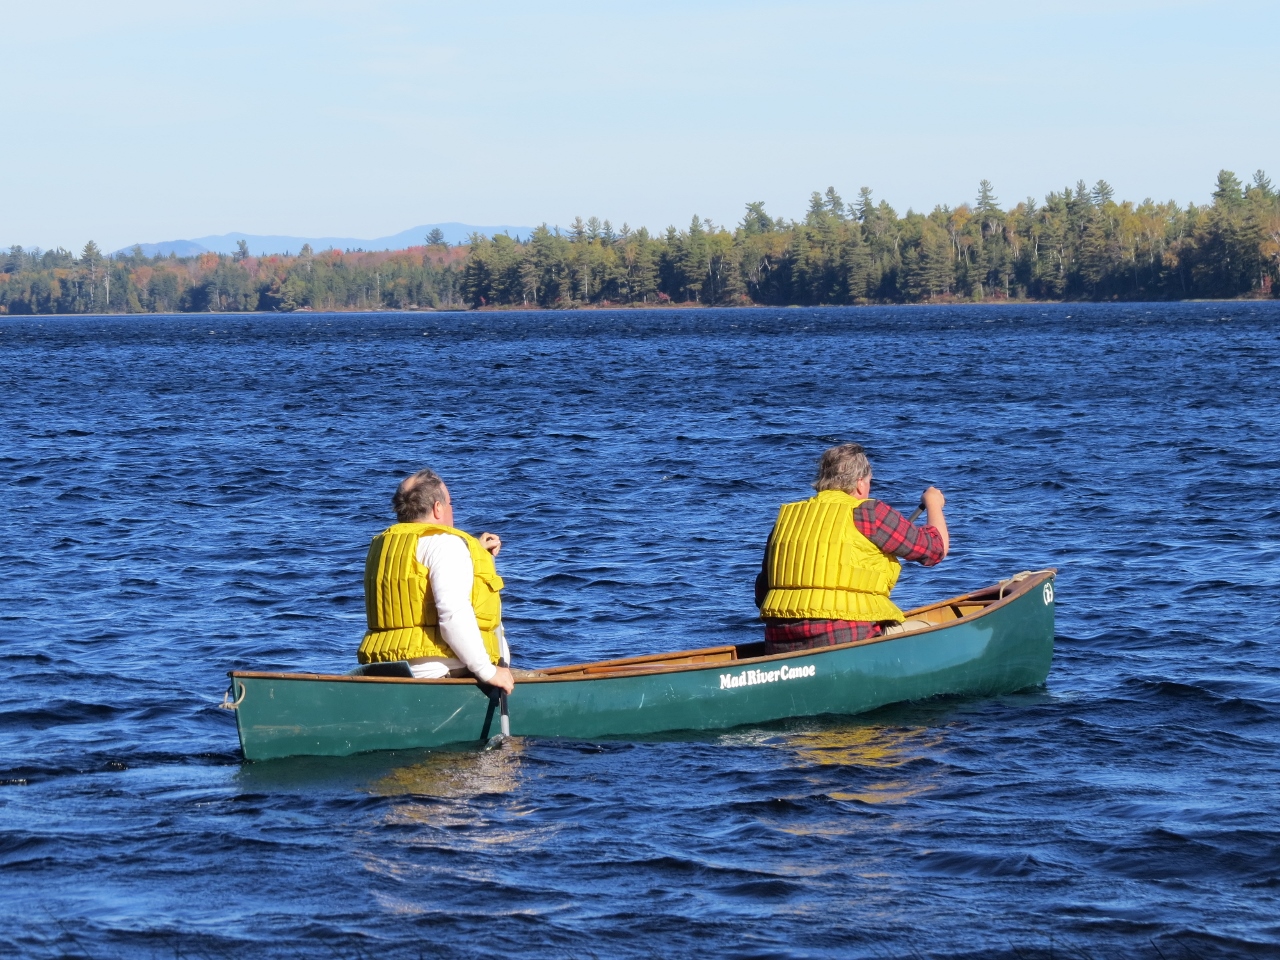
1007	648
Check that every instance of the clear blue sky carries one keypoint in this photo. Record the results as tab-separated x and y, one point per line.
145	121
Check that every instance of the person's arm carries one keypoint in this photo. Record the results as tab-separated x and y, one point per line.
452	574
762	578
934	501
896	535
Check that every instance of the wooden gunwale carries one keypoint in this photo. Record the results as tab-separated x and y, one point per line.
635	666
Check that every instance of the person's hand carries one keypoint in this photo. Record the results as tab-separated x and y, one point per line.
491	542
933	499
504	680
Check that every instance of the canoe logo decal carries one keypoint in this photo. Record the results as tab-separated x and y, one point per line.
749	678
1048	593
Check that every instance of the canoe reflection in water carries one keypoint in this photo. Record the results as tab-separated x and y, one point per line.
878	751
456	774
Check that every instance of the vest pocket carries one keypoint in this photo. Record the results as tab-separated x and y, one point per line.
491	580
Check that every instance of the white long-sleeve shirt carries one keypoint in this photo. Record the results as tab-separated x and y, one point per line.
452	574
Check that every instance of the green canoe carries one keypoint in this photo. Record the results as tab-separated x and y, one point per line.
991	641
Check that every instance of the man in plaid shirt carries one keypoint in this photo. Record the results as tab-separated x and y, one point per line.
846	468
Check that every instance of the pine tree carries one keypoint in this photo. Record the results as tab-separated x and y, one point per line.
835	205
756	220
938	268
866	207
816	216
642	268
692	260
855	265
988	205
1229	191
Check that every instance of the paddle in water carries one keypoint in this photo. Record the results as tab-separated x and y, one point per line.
504	721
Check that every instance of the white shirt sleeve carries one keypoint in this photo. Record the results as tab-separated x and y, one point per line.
452	574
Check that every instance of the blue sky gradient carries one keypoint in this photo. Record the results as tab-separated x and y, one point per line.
150	121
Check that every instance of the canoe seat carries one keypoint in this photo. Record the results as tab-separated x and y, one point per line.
393	668
909	625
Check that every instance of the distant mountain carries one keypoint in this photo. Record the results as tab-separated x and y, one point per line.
259	244
181	248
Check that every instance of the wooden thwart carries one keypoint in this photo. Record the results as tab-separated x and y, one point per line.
651	661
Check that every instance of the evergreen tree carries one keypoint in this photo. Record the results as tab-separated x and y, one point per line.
640	262
1079	242
756	220
988	206
1229	191
865	205
817	214
835	205
692	260
855	262
937	271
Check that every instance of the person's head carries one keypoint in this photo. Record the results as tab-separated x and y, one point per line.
423	498
846	468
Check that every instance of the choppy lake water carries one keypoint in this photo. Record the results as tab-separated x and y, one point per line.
186	495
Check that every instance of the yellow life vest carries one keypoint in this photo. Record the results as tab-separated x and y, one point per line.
401	613
821	568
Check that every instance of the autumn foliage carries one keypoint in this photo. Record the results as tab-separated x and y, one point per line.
1079	244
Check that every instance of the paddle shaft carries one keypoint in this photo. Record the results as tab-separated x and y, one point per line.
919	510
504	720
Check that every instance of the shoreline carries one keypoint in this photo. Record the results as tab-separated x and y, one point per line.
644	308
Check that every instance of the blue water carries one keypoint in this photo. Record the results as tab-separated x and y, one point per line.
186	495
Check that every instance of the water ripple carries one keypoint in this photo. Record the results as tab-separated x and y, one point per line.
180	504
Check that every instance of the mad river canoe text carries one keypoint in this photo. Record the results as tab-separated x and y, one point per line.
749	678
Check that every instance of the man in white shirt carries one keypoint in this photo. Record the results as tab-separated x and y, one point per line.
432	591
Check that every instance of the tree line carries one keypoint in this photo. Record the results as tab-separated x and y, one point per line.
1080	243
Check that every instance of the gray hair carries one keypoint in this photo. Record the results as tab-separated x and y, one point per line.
842	467
417	495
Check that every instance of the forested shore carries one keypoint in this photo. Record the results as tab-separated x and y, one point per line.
1080	243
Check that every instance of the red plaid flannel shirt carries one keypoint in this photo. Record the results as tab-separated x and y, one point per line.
891	532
